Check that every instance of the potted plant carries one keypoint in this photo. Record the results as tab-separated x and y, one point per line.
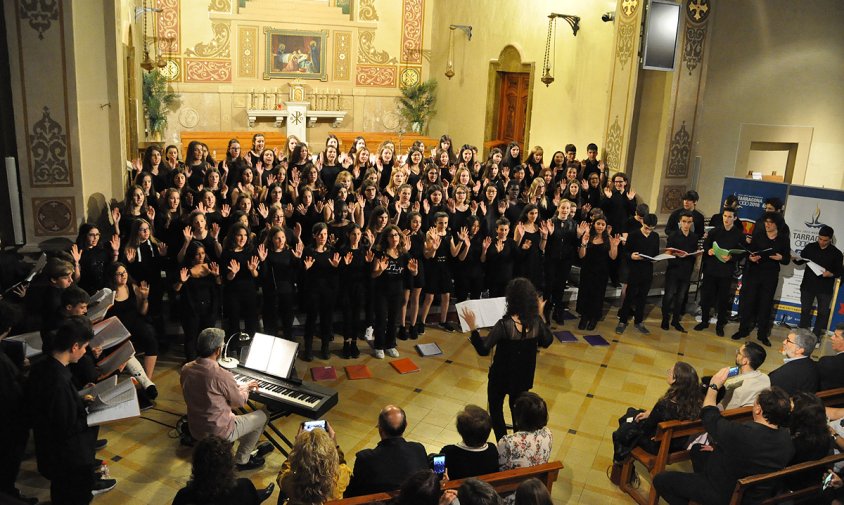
416	104
157	102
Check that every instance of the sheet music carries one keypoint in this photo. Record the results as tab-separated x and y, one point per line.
33	346
819	270
487	311
100	387
116	359
271	355
122	406
109	333
100	303
39	265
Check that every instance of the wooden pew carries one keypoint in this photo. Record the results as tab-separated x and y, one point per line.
672	430
504	483
786	495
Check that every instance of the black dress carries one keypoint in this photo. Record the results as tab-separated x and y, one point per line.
143	334
320	285
279	274
530	262
594	275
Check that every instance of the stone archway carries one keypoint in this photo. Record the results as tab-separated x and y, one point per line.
509	62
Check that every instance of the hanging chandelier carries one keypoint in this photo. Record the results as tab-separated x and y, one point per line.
573	21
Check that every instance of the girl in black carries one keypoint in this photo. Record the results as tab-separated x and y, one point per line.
280	267
154	164
240	269
340	225
517	337
92	258
498	255
307	212
145	259
198	231
440	248
170	220
388	272
413	284
597	248
320	285
330	168
198	286
355	274
131	307
531	238
559	256
488	209
469	278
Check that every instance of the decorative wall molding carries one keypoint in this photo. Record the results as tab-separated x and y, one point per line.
40	14
412	21
48	152
410	76
342	56
168	27
367	53
367	11
613	147
693	48
54	216
697	10
672	198
377	76
218	47
628	7
208	70
624	46
220	6
247	50
679	151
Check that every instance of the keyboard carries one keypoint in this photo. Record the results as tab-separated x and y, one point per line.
309	400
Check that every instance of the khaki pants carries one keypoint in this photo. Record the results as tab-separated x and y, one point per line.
247	429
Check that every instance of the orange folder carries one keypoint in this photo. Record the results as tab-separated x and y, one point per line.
355	372
404	365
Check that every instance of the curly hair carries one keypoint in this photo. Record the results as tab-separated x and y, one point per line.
808	422
686	391
313	465
212	475
521	298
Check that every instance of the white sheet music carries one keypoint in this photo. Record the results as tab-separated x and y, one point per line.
819	270
31	342
272	355
487	311
109	333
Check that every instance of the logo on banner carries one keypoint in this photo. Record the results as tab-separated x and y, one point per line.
815	223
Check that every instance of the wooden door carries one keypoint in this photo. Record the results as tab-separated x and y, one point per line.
512	106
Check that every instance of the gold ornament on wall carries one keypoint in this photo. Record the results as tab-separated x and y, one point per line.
550	56
449	66
218	47
368	53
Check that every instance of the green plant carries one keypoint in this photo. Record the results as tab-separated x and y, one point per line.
417	104
157	100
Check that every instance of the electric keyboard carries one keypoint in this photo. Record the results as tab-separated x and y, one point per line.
309	400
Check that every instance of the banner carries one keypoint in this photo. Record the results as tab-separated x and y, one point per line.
808	209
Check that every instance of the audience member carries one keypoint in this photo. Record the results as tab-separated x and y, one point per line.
393	460
316	471
477	492
423	488
800	372
473	455
810	437
533	492
831	368
741	390
530	445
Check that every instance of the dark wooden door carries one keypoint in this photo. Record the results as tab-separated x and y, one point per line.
512	106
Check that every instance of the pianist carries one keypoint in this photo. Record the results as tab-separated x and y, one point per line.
210	395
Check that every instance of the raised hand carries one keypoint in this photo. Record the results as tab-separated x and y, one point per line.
301	209
416	206
370	255
318	205
214	268
615	240
505	173
350	256
270	179
473	207
225	210
469	317
482	206
527	244
184	275
142	290
426	206
502	206
234	267
487	242
543	230
162	248
115	241
201	207
549	225
186	232
263	210
584	184
297	251
631	194
288	210
607	192
151	213
499	245
253	264
115	215
451	205
215	230
413	266
463	234
131	254
334	260
262	252
76	253
405	241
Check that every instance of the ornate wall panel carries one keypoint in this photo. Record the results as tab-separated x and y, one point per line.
247	51
54	216
672	198
197	70
220	6
48	152
412	20
218	47
168	27
39	14
410	76
367	53
366	11
377	76
342	56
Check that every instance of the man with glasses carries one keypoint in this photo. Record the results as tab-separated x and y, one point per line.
831	368
819	286
741	390
800	372
618	204
717	289
640	274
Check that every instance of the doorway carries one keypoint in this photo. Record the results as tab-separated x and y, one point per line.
513	107
509	100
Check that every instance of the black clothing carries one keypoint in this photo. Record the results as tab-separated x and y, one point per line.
92	268
673	223
831	370
14	428
514	363
243	493
663	410
717	289
320	285
529	262
743	449
469	273
678	275
389	299
799	375
639	275
278	275
594	275
240	299
329	174
618	207
199	302
499	266
559	256
142	333
352	296
462	463
759	283
386	467
817	287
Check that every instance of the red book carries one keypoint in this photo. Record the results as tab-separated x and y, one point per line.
404	365
355	372
324	373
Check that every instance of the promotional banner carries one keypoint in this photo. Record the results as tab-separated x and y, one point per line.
808	209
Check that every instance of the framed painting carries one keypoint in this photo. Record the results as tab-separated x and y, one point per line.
295	54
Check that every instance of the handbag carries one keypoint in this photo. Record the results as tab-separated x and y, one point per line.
627	436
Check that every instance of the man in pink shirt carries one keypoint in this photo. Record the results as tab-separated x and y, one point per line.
210	395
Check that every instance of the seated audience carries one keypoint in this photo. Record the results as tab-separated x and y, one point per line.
423	488
530	445
800	372
393	460
477	492
743	449
810	436
211	393
742	389
212	478
831	368
473	455
532	492
316	471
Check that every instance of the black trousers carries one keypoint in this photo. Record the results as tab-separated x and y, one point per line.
387	313
278	305
634	300
240	303
756	301
353	299
495	399
13	441
320	303
807	300
676	290
72	485
556	276
678	488
195	319
716	292
468	285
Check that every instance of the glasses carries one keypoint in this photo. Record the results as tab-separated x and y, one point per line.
93	234
121	273
788	341
618	182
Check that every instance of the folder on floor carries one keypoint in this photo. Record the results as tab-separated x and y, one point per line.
323	373
355	372
404	365
431	349
596	340
565	336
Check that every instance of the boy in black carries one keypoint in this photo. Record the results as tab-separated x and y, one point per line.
640	274
718	289
679	270
819	286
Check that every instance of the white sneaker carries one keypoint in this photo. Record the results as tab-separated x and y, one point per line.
370	333
378	353
392	352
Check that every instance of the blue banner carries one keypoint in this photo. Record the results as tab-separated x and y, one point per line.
751	196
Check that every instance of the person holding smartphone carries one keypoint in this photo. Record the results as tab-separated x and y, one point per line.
316	470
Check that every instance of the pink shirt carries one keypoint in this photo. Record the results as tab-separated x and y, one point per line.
210	393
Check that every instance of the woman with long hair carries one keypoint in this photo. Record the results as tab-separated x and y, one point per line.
512	156
239	268
195	164
330	167
413	284
388	271
469	270
308	212
516	338
596	249
559	257
534	163
212	478
320	285
134	207
91	256
131	306
384	162
809	436
289	144
440	248
154	164
281	265
255	154
531	236
355	273
198	286
316	471
171	159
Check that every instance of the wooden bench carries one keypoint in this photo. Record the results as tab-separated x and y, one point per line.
786	495
504	483
669	431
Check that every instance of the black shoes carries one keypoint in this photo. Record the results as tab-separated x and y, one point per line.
152	392
679	327
266	492
738	336
411	332
253	463
263	449
420	328
307	355
719	330
620	328
765	341
323	350
346	349
103	486
664	324
402	333
100	444
354	352
591	326
701	326
582	324
448	326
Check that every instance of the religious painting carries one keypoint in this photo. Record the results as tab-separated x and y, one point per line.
295	54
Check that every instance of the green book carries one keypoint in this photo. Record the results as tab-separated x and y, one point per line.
720	252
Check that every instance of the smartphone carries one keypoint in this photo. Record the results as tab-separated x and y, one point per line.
312	425
733	371
439	464
827	481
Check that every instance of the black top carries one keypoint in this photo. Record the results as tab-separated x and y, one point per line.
831	370
386	467
92	268
358	271
322	275
617	209
829	258
500	264
798	375
637	242
243	278
514	363
663	410
243	493
778	245
673	223
682	266
732	239
280	271
391	279
744	449
561	244
462	463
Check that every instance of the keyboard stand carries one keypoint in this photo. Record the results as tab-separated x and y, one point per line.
271	432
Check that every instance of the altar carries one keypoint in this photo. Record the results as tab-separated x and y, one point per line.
298	113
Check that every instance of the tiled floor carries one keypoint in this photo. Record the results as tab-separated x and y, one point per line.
587	388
